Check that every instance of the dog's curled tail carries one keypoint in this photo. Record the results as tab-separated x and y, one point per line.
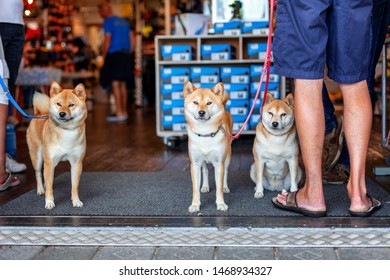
41	104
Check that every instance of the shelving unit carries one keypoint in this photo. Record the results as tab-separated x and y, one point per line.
242	59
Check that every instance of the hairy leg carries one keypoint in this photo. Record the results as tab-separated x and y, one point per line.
357	126
309	115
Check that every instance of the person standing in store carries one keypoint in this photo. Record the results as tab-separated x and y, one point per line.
336	157
308	36
12	38
118	45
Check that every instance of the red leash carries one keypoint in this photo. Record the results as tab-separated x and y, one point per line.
266	70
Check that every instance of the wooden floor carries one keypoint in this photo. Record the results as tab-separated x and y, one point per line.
134	146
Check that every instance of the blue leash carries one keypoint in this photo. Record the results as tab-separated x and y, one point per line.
16	105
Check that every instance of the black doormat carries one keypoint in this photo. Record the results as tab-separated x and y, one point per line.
168	193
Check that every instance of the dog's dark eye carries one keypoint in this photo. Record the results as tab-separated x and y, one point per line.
59	104
70	105
196	102
209	103
283	114
271	114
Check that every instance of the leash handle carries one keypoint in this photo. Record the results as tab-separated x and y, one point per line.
266	72
16	105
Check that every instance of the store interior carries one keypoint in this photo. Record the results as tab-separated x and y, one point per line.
57	31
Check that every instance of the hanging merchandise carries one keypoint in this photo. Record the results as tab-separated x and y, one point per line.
138	94
236	10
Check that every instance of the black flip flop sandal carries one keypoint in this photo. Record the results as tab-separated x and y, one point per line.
292	206
375	205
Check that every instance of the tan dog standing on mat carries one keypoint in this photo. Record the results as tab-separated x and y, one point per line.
208	127
275	148
61	137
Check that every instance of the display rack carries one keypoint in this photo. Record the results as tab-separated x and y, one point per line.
238	57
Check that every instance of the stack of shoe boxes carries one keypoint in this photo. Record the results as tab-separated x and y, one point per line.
172	102
172	80
273	88
236	81
240	81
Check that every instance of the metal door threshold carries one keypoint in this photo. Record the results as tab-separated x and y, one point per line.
196	231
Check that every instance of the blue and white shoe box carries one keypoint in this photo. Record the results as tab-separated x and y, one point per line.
258	51
218	52
228	28
175	75
256	72
177	52
255	27
235	74
205	75
273	88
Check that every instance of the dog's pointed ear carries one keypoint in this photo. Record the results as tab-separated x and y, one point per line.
55	89
219	90
269	98
80	92
289	100
188	88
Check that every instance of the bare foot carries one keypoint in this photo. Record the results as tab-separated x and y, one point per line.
302	201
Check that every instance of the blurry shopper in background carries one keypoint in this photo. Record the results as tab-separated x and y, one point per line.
12	37
118	68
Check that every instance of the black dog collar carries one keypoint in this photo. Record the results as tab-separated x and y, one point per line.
210	134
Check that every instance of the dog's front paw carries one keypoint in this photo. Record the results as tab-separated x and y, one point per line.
40	191
49	204
77	203
222	207
205	189
194	208
259	193
226	190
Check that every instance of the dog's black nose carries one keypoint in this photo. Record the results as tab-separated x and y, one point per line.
275	124
62	114
201	113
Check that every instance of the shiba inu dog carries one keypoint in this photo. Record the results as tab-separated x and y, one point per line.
209	125
275	148
59	138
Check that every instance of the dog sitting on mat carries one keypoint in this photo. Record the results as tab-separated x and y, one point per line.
275	148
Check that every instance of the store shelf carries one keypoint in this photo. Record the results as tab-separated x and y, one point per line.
239	53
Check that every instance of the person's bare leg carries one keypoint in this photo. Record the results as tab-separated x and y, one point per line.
116	90
357	127
309	115
3	129
124	96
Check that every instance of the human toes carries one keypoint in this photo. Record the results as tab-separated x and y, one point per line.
282	197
